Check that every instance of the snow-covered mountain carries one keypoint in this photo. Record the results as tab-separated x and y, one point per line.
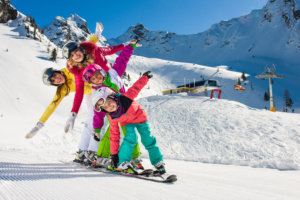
61	30
246	43
272	32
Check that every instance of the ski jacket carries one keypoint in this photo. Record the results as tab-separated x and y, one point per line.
133	113
114	82
71	82
98	54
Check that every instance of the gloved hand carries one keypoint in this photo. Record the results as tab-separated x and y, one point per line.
134	42
34	131
98	30
114	160
148	74
70	122
97	137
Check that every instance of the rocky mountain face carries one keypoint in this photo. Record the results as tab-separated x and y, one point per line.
61	30
271	33
7	12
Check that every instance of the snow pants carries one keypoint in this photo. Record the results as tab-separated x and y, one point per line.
131	139
104	147
87	141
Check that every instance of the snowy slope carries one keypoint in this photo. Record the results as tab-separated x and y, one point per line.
32	175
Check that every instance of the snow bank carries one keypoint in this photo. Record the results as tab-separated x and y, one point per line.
223	132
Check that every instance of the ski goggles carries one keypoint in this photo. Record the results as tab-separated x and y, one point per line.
98	106
88	74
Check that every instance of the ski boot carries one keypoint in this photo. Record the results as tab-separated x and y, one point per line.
80	156
92	156
137	163
101	162
126	167
160	168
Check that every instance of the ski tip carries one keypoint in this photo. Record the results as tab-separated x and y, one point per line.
171	179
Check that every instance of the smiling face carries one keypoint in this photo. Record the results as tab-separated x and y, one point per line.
97	79
77	55
110	105
57	79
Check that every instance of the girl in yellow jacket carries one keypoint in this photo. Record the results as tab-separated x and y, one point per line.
65	83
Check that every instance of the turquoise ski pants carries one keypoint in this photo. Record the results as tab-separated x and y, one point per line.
147	139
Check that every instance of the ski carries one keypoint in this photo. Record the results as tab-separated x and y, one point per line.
146	174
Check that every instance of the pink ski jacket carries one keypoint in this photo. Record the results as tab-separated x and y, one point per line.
98	54
134	114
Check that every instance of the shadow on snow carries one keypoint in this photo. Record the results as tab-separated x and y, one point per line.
36	171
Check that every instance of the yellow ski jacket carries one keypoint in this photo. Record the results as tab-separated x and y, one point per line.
71	82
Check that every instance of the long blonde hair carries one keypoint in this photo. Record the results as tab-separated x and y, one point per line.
89	60
59	88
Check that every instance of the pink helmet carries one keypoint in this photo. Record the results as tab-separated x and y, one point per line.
90	71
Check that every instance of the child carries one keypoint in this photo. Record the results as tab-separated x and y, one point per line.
81	55
122	109
97	77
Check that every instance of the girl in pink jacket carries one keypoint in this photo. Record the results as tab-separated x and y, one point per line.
122	109
80	55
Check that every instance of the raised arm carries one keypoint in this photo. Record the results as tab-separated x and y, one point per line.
51	108
122	60
106	51
135	89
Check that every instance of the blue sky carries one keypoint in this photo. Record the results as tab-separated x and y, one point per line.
179	16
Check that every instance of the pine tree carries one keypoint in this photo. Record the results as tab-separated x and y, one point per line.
34	32
129	79
287	99
239	81
69	36
53	55
124	75
48	48
243	77
266	97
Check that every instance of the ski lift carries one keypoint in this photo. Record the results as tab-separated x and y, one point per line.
204	85
239	87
